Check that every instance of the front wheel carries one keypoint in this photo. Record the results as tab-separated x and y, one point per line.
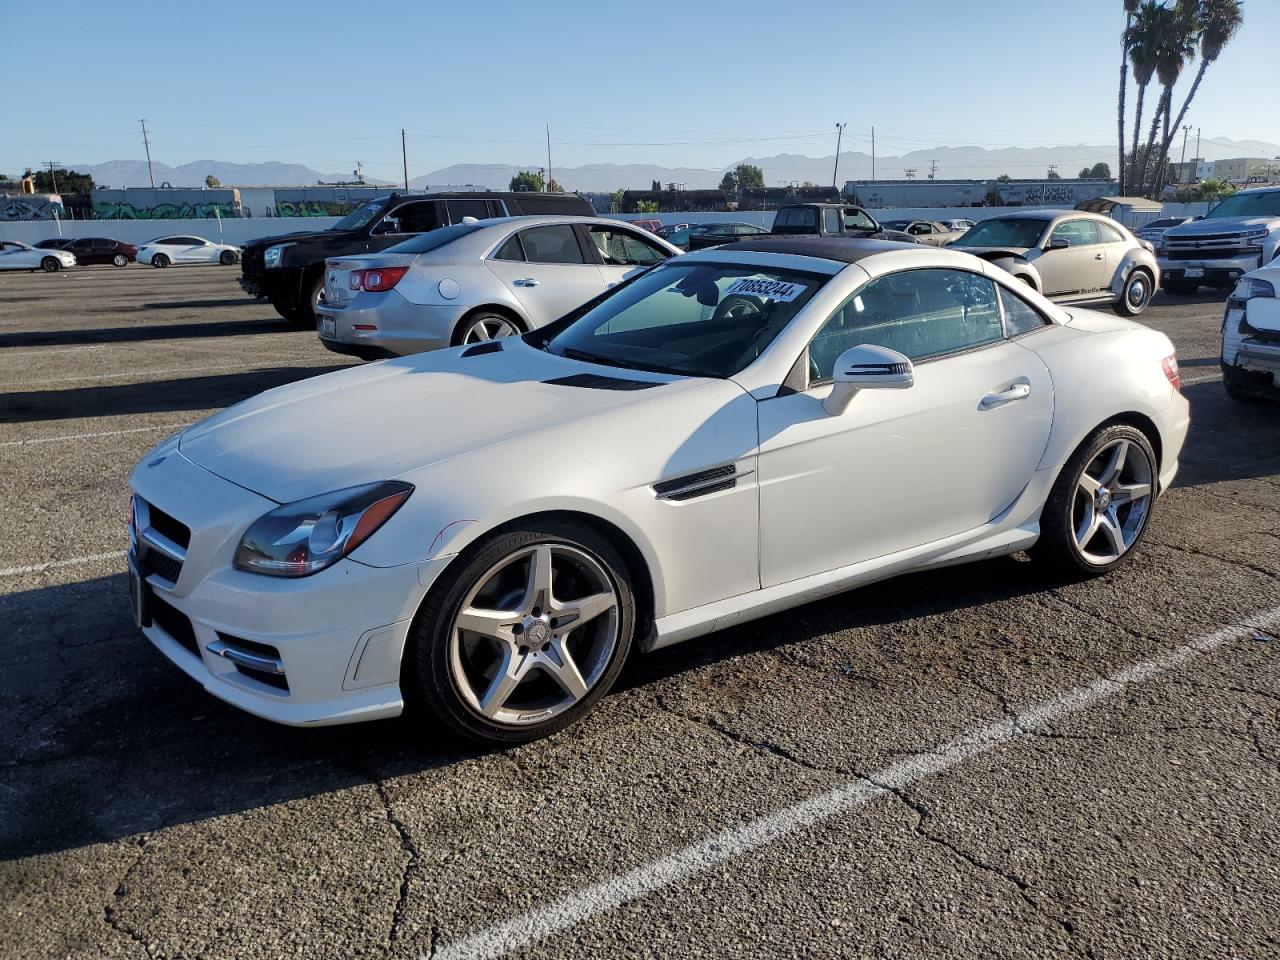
524	633
120	260
50	265
1136	294
160	261
226	258
1100	504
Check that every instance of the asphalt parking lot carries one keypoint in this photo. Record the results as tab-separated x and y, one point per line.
974	762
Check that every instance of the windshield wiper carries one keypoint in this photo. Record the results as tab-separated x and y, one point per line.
576	354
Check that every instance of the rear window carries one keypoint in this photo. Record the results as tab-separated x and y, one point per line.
434	240
795	219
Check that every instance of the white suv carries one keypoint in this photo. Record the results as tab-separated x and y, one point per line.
1251	336
1238	235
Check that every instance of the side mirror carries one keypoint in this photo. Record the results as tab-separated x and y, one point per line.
1059	243
867	367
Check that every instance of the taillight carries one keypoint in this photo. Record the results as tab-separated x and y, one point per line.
1170	365
377	280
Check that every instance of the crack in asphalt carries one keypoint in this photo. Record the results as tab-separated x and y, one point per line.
412	862
759	745
109	912
1185	548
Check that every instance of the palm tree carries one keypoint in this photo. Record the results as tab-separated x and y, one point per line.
1141	40
1173	31
1130	8
1219	21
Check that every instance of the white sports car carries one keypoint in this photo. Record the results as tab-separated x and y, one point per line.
490	530
177	250
20	256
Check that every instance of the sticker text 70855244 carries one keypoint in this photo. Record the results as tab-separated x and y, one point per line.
778	290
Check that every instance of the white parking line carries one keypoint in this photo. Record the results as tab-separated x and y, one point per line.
55	564
90	436
536	925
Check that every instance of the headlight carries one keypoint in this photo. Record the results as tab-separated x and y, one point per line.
1257	232
1250	287
271	256
304	537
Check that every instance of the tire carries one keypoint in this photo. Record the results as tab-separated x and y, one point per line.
160	261
286	313
50	265
119	260
1241	385
479	327
1136	294
453	671
1071	542
312	293
226	258
1179	288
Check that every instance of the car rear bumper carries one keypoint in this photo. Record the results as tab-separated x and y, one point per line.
391	326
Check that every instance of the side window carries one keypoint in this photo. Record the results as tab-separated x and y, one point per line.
621	248
855	219
1108	233
1079	232
467	208
556	244
920	313
412	218
510	250
920	229
1019	316
830	220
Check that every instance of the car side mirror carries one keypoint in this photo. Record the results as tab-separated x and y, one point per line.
1058	243
867	367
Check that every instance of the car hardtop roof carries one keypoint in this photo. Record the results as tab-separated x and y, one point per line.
836	249
470	195
822	203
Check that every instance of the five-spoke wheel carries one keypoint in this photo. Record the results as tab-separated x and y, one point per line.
485	326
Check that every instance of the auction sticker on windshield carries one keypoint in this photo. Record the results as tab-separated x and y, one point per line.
778	290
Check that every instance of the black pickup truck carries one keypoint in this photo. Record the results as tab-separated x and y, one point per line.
288	270
814	220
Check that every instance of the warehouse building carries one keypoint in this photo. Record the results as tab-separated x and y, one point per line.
914	194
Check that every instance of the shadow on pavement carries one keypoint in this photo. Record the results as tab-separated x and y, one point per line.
1229	440
142	333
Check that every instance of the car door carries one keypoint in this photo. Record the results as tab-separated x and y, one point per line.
547	270
901	468
1076	268
622	253
1115	246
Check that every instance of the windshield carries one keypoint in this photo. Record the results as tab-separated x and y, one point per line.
361	216
702	320
435	239
1003	232
1248	205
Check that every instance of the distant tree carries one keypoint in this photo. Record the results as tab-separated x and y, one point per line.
750	177
68	181
212	182
646	206
993	199
1083	174
1100	171
1053	175
554	187
729	183
1003	178
656	186
1212	189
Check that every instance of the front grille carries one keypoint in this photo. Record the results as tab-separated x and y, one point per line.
1208	238
153	561
176	531
1211	253
251	267
173	622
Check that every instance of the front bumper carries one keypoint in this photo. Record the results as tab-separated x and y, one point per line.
337	637
392	326
1217	270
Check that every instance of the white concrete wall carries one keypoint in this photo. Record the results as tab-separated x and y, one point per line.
239	231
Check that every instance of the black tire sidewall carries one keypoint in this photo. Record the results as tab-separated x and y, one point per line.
1057	544
50	265
468	322
160	260
226	258
1123	306
427	680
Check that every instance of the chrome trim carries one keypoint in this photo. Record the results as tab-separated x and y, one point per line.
159	542
244	658
687	490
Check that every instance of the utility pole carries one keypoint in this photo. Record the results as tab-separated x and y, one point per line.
836	169
1053	168
910	173
933	168
151	174
51	164
404	155
1198	153
1182	161
873	153
548	157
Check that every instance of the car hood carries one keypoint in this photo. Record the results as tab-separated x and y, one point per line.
292	237
383	420
1200	228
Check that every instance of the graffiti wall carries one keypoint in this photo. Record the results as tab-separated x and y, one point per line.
31	206
124	210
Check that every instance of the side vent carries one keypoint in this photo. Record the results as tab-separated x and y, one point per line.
488	346
592	381
699	484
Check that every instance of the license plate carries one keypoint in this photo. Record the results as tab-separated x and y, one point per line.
328	327
1191	273
138	596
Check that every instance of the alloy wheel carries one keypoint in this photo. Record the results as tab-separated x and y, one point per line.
534	634
1112	502
489	328
1137	293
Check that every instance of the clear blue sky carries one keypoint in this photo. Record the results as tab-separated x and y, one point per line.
695	83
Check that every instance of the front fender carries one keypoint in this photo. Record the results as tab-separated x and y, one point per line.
1135	257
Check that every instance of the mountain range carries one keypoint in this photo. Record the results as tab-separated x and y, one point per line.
961	162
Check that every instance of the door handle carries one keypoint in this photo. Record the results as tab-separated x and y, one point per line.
526	282
1097	256
1017	391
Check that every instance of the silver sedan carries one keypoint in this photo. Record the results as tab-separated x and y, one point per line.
477	281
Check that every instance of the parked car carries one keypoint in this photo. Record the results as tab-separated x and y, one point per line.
666	230
653	226
185	249
1251	336
1240	234
99	250
833	220
681	234
931	232
288	270
490	532
957	223
714	234
479	281
52	243
1153	230
1070	256
21	256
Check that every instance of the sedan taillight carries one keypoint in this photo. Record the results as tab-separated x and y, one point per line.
377	280
1170	365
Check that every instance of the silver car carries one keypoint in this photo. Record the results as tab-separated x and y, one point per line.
1069	256
476	281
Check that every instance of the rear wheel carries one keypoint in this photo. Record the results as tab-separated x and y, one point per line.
1137	292
485	326
1100	505
524	633
226	258
1243	385
50	265
160	260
